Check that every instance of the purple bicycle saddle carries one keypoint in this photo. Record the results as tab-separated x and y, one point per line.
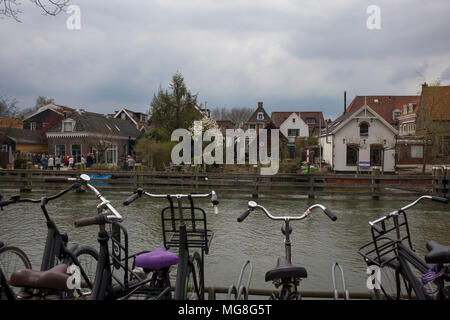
157	259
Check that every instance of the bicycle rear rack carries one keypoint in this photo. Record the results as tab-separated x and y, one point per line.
333	275
240	291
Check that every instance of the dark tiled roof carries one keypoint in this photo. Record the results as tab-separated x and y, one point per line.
253	117
23	136
98	123
383	105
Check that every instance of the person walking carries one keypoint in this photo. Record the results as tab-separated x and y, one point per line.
71	162
51	163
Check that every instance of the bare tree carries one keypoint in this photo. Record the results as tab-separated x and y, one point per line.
237	115
8	106
10	8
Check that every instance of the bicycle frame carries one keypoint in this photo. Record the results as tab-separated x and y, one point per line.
184	259
286	284
404	256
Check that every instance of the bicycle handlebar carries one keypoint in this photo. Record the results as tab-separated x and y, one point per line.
396	212
252	205
139	192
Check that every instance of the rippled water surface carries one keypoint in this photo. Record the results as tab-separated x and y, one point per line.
316	242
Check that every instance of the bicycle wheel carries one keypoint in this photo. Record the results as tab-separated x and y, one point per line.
13	259
194	289
393	285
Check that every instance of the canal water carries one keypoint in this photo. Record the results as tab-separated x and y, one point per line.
317	242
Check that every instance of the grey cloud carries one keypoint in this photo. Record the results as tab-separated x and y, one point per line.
233	53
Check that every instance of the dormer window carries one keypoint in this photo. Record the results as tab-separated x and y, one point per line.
33	126
260	116
363	129
395	114
375	100
67	126
310	120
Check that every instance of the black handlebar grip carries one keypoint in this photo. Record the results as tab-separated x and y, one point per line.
243	216
56	179
439	199
214	199
84	222
377	229
330	214
131	198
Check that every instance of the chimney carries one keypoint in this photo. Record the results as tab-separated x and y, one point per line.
260	104
345	102
65	114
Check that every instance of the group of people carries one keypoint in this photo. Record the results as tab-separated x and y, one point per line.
50	162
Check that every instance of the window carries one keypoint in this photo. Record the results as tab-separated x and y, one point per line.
68	126
310	120
293	132
363	129
293	120
60	149
352	155
33	125
405	109
260	116
253	126
111	154
375	155
76	152
396	114
123	116
4	148
416	151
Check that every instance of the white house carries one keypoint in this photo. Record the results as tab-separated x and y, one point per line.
294	127
358	140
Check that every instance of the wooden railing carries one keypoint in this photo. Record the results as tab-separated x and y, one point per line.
289	184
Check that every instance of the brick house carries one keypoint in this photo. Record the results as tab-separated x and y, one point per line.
109	139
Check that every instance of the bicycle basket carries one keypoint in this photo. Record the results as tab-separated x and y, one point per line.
198	236
386	235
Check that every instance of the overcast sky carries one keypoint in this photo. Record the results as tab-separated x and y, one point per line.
233	53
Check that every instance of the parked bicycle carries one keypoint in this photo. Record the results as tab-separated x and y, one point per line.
285	274
51	281
184	234
397	271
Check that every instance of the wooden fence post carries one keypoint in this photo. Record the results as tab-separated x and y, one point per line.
27	179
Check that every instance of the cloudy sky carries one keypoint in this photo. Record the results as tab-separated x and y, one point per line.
233	53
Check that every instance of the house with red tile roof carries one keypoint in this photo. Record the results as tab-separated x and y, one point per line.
312	119
359	140
388	107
